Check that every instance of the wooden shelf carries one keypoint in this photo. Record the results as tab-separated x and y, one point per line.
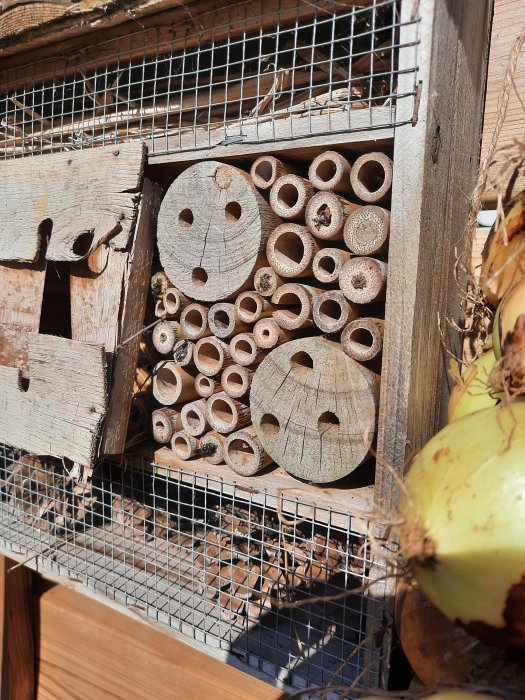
343	504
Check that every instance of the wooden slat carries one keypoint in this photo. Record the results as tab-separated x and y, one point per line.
89	196
87	650
62	410
17	681
508	21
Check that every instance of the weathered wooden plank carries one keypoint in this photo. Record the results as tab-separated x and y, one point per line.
61	411
507	24
17	677
135	285
89	196
130	660
21	291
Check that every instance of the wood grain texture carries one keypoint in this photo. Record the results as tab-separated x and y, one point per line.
17	678
90	197
212	228
314	409
507	23
62	410
87	650
131	320
21	291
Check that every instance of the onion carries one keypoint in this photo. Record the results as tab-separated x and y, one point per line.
472	393
463	530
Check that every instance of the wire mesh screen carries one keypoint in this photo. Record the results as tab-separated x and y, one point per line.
285	595
256	72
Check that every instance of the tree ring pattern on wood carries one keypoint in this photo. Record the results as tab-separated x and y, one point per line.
314	409
212	226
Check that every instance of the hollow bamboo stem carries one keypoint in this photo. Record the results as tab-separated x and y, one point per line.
289	196
244	453
371	177
330	171
331	311
328	263
362	339
290	250
363	280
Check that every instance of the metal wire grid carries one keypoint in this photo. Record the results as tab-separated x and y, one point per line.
152	543
311	71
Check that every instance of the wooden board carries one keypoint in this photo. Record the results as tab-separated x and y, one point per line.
17	678
89	196
61	411
507	23
87	650
21	291
327	503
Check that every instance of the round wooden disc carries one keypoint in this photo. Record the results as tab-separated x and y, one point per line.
314	409
212	226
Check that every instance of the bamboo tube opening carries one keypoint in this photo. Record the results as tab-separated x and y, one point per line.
371	177
194	321
266	281
204	386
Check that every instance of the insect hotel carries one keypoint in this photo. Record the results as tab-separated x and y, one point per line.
228	233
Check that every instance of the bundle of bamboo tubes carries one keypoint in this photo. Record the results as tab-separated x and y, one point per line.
271	291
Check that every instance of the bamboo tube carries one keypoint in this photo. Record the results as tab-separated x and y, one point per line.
194	321
366	230
328	263
244	350
326	214
251	306
164	336
236	380
290	250
226	414
297	300
172	384
267	169
289	196
330	171
244	453
268	334
266	281
223	320
175	301
183	352
211	355
362	280
371	177
206	386
362	339
194	418
164	422
185	446
331	311
212	447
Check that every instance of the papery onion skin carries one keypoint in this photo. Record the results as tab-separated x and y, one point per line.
463	530
473	393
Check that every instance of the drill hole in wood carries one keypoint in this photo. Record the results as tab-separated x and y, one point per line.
269	424
186	218
328	422
301	362
199	276
232	211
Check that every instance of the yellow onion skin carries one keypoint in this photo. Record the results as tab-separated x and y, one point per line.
512	305
463	530
503	263
473	392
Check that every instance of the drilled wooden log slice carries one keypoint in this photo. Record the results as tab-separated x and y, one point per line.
213	225
314	409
